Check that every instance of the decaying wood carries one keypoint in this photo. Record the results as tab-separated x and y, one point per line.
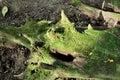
114	8
102	4
110	17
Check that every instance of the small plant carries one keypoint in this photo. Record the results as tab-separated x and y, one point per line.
4	10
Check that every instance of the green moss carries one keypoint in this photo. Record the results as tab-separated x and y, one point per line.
27	34
106	49
70	41
51	69
34	70
97	46
76	2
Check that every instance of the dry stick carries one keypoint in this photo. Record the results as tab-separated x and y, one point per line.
103	4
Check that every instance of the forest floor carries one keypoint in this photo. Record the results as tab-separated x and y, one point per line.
12	56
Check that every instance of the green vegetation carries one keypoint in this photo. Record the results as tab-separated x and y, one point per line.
114	2
63	37
105	56
101	49
4	10
76	2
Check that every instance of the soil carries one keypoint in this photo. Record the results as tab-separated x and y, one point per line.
38	10
47	10
13	62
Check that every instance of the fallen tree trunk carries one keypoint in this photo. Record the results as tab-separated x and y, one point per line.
111	18
107	5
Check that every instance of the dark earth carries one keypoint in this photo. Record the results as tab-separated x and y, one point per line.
47	10
13	59
12	62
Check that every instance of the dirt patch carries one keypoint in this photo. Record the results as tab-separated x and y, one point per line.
47	10
38	10
12	62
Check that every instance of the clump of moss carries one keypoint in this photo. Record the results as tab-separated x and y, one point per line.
63	37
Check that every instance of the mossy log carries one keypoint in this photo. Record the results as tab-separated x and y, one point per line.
92	11
61	38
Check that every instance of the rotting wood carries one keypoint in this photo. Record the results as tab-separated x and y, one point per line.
111	18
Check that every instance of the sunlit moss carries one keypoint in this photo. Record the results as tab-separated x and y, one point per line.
96	46
70	40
